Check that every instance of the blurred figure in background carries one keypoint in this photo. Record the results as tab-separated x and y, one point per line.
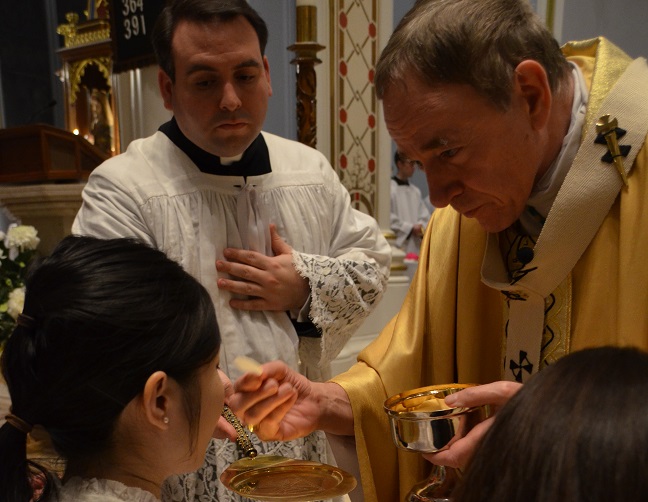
409	213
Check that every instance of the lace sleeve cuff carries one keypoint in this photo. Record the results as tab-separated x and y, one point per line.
343	293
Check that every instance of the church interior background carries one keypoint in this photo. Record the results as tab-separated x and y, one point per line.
57	70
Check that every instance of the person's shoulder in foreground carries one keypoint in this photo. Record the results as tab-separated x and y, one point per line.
584	437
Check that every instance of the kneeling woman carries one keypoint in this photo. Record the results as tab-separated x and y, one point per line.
115	355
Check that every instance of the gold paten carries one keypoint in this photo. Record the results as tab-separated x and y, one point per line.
272	477
269	477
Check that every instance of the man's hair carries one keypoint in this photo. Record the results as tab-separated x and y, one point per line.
199	11
474	42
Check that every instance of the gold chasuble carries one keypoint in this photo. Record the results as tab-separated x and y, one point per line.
451	325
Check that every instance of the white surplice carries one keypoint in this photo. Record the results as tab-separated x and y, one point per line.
156	193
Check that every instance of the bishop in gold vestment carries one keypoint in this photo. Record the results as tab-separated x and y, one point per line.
451	325
537	247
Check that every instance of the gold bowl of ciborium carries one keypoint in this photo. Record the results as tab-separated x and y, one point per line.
420	420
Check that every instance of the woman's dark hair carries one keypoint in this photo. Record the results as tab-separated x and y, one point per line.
578	431
474	42
199	11
100	317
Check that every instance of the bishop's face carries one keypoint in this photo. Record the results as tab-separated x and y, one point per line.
477	158
222	84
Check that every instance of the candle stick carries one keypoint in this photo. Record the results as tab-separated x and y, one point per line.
306	21
305	49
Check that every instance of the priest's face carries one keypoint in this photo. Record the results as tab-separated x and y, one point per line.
477	158
222	84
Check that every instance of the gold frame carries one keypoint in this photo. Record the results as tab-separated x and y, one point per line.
87	70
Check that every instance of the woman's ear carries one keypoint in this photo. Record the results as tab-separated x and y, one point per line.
156	400
531	84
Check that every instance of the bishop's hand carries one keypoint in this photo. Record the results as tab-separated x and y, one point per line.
495	395
280	404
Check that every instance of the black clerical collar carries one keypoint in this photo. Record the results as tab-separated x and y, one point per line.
400	181
255	160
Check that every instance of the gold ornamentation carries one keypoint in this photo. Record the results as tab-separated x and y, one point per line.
98	10
78	68
608	128
557	331
88	32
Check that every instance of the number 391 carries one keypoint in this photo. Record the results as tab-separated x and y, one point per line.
133	26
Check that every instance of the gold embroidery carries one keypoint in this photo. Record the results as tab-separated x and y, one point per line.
556	335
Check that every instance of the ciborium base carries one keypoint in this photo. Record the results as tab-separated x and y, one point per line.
436	488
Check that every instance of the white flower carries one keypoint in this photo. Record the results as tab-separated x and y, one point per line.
23	237
16	302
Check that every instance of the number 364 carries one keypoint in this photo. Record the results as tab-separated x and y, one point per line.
132	6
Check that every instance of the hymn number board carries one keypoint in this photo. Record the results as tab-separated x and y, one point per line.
131	24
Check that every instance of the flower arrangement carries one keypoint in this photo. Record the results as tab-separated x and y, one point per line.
17	249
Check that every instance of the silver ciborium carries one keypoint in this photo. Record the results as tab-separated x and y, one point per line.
421	422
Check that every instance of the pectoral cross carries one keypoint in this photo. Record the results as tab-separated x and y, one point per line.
608	129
